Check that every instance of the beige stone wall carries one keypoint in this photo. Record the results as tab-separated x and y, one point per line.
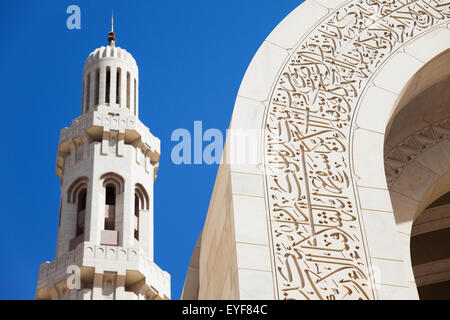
231	259
218	254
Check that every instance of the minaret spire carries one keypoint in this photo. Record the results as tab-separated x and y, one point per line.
111	35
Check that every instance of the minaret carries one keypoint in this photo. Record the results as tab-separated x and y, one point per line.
107	161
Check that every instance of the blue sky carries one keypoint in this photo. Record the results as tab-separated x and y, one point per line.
191	56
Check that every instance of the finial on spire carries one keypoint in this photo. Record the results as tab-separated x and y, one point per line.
111	35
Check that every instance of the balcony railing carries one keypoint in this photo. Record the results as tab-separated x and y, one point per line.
110	211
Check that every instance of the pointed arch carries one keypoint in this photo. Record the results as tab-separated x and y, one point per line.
74	189
114	179
113	185
142	195
141	202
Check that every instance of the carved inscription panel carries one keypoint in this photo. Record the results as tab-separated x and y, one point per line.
318	248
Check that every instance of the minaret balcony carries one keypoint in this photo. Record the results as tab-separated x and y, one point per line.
95	258
95	126
107	119
110	211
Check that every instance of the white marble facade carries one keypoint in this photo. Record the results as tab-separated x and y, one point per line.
353	145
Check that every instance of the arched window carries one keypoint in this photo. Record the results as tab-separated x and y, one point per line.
110	207
108	84
113	179
77	196
83	97
97	86
75	188
128	90
135	91
118	81
81	211
113	185
141	193
136	217
88	94
141	202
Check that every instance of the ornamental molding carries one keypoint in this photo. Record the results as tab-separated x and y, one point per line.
410	148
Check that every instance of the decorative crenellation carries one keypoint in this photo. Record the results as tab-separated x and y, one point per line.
78	150
78	127
112	144
398	157
317	242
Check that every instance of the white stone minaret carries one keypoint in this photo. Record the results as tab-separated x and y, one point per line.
107	161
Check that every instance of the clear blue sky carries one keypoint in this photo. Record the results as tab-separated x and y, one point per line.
191	56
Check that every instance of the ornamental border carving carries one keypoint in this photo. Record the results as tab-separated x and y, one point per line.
318	247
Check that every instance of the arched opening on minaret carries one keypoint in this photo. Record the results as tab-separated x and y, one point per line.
113	188
118	85
128	90
141	202
135	106
136	217
81	212
142	194
97	86
83	97
77	199
88	93
107	85
110	207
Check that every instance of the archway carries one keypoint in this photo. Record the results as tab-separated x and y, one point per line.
304	221
417	165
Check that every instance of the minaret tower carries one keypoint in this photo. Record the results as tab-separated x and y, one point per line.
107	161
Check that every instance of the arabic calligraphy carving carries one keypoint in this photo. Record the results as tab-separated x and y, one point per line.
318	248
